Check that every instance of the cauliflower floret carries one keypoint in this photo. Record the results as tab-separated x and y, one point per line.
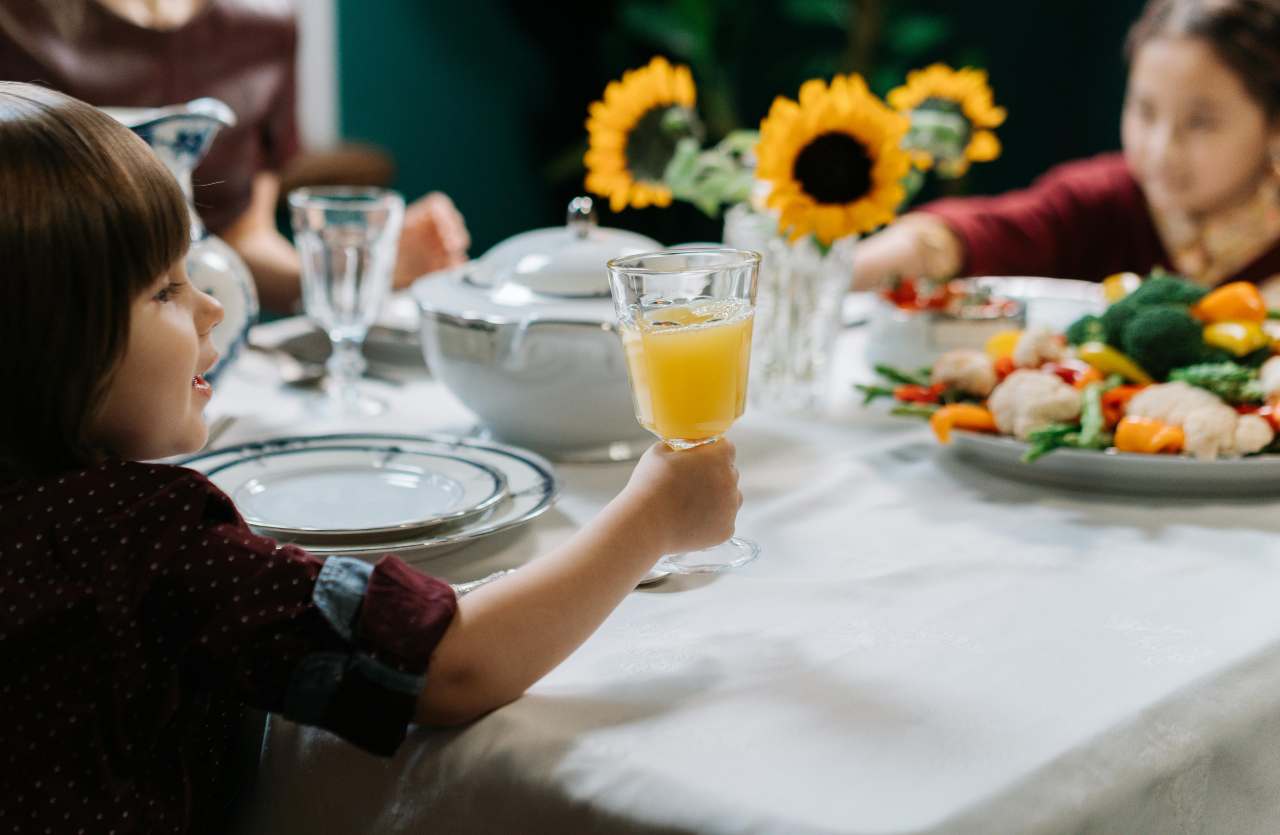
1210	433
969	371
1028	400
1270	377
1212	428
1172	402
1037	346
1253	434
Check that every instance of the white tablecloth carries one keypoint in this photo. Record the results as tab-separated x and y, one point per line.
921	648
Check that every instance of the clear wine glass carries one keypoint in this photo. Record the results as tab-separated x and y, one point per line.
347	238
685	317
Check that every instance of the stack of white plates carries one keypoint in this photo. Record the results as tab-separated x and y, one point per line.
371	494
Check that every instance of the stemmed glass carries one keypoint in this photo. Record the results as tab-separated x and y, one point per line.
347	238
685	317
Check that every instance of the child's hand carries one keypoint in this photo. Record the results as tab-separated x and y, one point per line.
434	237
690	496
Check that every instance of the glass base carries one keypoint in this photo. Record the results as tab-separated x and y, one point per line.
681	443
733	553
350	401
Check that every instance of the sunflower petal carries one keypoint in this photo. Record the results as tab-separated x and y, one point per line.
983	147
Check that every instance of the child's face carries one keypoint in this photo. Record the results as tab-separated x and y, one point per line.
1193	137
154	405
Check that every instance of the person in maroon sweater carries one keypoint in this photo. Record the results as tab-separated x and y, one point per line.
151	53
139	615
1196	190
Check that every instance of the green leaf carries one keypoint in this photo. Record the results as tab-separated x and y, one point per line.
920	410
915	35
870	393
834	13
1045	440
907	378
663	27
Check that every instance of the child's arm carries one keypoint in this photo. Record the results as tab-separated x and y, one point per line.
1084	219
507	635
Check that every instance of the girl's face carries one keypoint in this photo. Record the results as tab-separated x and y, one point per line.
154	405
1194	138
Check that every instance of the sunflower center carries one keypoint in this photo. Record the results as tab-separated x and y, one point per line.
945	118
652	141
833	168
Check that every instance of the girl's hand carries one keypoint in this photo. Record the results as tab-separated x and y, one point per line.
689	497
917	245
434	237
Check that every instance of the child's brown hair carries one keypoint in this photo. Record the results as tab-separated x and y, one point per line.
89	219
1244	34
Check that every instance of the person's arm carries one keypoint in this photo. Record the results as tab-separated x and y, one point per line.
1082	219
269	255
507	635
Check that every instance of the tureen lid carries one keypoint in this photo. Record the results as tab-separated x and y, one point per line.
565	262
557	271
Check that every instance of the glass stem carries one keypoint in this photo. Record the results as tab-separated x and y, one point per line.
345	366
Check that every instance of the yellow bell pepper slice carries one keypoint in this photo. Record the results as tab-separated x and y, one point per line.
1237	338
1110	361
1001	345
1239	301
1116	287
1147	436
961	416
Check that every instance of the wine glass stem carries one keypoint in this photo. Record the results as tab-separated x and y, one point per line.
345	366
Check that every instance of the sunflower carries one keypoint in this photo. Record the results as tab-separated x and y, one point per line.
634	132
833	160
952	114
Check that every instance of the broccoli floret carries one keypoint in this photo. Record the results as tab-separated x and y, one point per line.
1162	338
1161	289
1232	382
1086	329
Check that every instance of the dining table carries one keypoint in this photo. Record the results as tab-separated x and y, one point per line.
921	647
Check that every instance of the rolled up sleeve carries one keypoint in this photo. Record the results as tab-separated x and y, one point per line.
336	643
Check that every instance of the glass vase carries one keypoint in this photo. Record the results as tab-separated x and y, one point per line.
798	303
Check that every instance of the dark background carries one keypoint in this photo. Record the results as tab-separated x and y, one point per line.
487	99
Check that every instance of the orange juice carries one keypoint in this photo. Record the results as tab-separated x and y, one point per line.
688	366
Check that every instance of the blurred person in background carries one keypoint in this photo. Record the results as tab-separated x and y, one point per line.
1196	188
152	53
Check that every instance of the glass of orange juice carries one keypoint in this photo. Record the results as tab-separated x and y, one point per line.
685	319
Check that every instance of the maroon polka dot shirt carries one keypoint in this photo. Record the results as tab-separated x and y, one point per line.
139	617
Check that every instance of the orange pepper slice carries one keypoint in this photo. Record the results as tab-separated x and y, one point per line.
1147	436
1114	402
1088	376
1239	301
961	416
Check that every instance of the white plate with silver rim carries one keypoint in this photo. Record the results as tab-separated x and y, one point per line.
342	494
1119	472
532	487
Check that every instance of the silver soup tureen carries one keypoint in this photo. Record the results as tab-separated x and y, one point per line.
526	338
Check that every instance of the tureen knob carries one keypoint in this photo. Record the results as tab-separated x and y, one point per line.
582	216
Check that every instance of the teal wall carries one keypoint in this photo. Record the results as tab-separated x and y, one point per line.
486	99
449	89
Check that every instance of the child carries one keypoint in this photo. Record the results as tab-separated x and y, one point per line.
138	613
1197	189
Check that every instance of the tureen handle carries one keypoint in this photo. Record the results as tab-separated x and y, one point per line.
581	216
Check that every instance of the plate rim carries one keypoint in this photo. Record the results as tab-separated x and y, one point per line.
499	493
550	485
1170	461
